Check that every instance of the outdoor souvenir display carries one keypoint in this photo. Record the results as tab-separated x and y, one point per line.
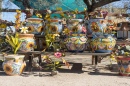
60	29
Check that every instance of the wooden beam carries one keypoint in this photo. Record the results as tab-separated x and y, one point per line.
92	4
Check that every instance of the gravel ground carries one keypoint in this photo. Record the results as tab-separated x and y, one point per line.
67	77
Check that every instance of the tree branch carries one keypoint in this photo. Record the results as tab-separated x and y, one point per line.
92	4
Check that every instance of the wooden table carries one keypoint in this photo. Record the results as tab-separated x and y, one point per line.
30	55
95	57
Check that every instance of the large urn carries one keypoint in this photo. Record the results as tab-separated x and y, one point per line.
28	43
35	25
14	64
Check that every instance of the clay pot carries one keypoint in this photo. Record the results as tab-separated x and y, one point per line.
14	64
103	45
76	42
28	42
123	65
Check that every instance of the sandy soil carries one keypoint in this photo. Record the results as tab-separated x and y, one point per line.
67	77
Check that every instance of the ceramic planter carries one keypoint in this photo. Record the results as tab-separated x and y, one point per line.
123	65
55	26
76	42
28	42
35	25
14	64
103	45
75	25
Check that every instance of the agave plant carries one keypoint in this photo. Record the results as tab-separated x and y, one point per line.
14	42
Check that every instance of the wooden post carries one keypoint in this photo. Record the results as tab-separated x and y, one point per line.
0	9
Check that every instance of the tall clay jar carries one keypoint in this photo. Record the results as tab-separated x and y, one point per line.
28	43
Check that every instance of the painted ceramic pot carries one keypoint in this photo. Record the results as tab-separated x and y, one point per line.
35	25
55	26
76	43
28	43
123	65
75	25
102	44
14	64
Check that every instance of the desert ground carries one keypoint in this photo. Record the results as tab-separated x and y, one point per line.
67	77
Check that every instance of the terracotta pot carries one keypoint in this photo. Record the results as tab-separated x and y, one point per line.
123	65
28	42
76	43
14	65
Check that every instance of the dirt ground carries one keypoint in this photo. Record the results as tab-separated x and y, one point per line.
67	77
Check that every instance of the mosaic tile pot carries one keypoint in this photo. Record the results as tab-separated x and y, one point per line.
103	45
35	25
28	43
14	64
123	65
76	42
55	26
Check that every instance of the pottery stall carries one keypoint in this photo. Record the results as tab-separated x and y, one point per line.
14	64
76	40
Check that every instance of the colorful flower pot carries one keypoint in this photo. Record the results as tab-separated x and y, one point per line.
75	25
123	65
103	45
35	25
76	42
14	64
55	26
28	43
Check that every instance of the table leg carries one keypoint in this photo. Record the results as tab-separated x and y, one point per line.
40	59
30	63
93	58
96	61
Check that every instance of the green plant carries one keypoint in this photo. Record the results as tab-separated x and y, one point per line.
14	42
53	65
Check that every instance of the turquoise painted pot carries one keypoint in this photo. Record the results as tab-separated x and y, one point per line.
14	64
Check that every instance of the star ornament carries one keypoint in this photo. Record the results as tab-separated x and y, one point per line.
24	30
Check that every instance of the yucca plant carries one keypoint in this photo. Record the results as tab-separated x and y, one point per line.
14	42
